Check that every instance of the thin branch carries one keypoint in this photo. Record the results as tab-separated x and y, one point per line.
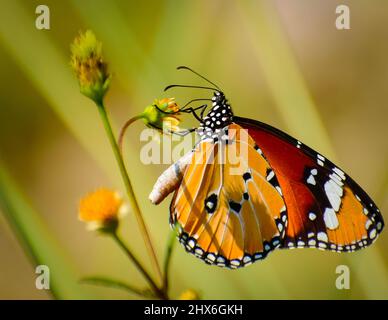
167	260
130	192
139	266
106	282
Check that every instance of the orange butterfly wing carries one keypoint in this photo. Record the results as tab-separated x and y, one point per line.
326	209
229	209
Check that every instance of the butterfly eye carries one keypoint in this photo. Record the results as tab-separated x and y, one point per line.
219	98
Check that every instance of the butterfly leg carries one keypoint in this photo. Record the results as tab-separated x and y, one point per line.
166	112
182	133
203	111
188	110
192	111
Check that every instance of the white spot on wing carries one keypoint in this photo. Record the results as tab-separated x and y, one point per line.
270	175
333	193
198	251
322	236
339	172
210	205
322	245
247	259
336	179
191	243
330	219
311	180
300	244
211	257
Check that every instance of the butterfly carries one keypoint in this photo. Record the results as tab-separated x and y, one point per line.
285	195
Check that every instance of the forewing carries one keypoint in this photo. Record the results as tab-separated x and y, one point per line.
228	208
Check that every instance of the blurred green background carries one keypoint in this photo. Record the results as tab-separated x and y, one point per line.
280	62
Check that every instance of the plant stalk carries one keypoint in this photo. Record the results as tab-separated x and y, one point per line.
158	292
170	247
129	189
106	282
124	129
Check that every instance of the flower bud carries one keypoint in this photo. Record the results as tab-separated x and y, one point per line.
89	66
162	114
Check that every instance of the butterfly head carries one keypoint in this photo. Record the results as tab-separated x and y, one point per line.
220	116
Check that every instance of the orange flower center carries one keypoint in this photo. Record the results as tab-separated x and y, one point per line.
101	205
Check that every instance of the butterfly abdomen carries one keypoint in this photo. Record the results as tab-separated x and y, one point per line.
170	179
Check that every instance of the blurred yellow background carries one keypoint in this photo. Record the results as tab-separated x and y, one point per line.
283	63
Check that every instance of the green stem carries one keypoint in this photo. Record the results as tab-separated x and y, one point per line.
128	186
102	281
124	129
159	293
170	247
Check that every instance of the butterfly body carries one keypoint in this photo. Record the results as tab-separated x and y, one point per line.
283	195
217	119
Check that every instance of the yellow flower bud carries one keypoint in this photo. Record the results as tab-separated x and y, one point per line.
162	114
89	66
189	294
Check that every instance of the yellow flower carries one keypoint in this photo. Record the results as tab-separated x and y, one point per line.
189	294
101	210
89	66
162	115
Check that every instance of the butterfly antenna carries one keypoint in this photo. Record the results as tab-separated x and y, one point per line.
199	75
188	86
